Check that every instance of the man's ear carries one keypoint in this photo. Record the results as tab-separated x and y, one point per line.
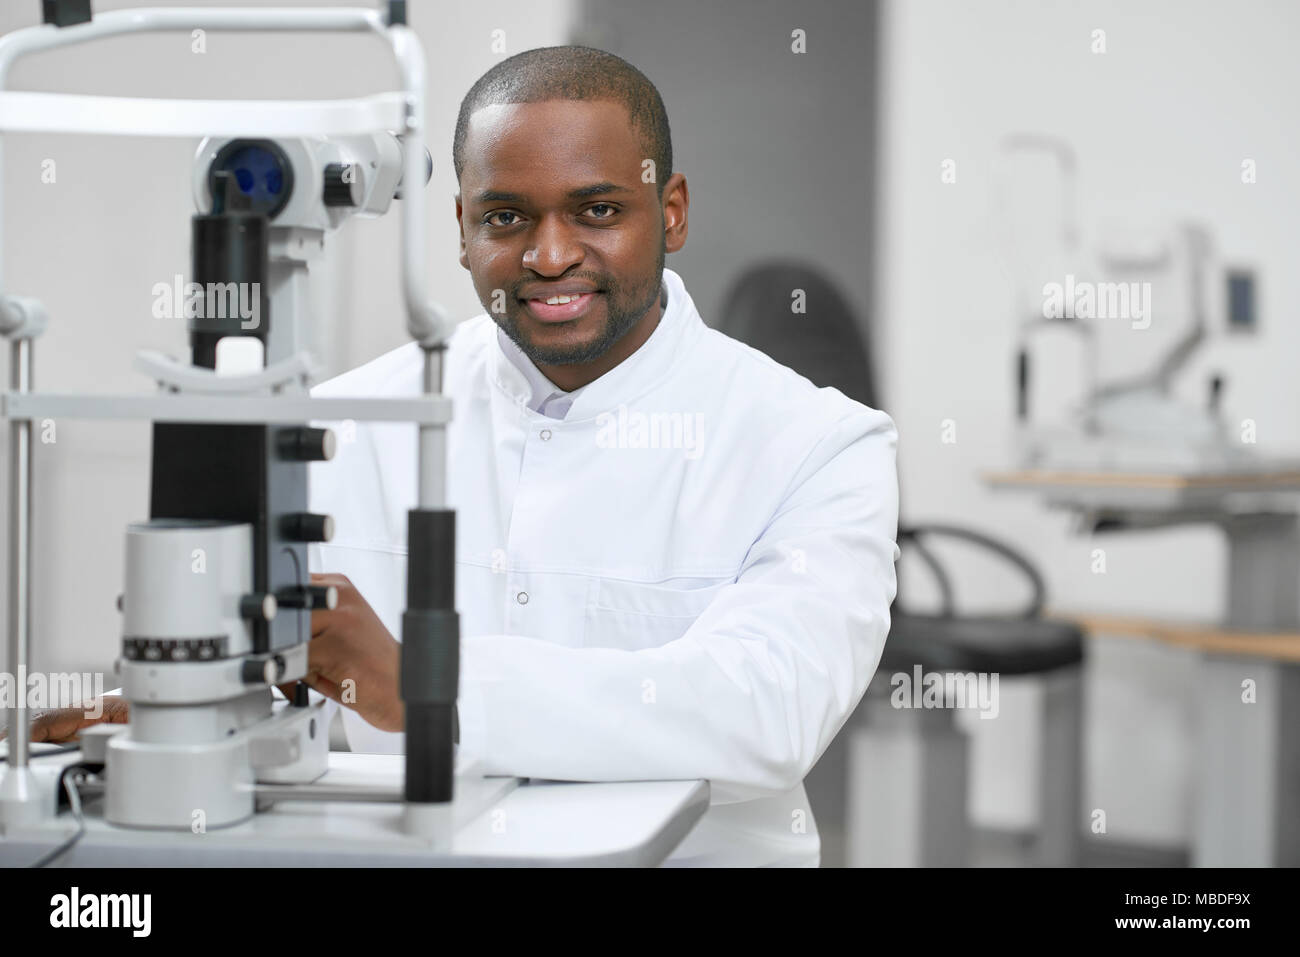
460	223
677	202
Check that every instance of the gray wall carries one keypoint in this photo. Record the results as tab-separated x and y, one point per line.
777	148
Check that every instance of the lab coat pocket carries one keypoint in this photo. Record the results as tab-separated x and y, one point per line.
633	615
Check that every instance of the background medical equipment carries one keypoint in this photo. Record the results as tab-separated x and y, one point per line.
1134	456
1144	297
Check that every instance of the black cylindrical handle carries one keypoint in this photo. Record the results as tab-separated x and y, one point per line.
261	671
306	527
258	607
342	185
430	668
311	597
303	444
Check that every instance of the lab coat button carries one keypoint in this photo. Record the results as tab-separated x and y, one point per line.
546	435
522	598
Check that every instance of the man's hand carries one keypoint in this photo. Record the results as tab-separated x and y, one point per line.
62	724
353	659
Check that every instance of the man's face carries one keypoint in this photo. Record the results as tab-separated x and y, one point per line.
552	200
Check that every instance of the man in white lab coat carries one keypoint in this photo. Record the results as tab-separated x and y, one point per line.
675	557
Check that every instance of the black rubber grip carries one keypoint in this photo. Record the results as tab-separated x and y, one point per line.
430	753
430	673
431	558
430	656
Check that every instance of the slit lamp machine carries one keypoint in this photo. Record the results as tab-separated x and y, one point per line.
200	653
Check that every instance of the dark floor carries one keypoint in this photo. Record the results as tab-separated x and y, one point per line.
1002	849
990	848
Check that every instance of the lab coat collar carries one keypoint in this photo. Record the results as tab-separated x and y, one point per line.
539	390
632	377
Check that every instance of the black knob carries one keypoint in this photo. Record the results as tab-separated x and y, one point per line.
258	606
303	444
300	697
307	527
343	185
66	13
261	671
310	597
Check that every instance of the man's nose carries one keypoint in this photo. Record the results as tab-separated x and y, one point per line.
554	248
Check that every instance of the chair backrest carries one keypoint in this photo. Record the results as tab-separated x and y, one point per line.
824	343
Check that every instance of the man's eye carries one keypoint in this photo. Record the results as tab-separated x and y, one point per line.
504	212
612	210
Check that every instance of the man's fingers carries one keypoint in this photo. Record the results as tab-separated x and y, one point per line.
320	621
325	655
117	710
58	727
326	687
321	617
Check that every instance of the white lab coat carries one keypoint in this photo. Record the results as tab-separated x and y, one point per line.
688	576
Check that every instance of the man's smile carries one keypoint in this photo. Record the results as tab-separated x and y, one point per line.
560	308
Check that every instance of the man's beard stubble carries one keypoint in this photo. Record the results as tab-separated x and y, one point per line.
625	308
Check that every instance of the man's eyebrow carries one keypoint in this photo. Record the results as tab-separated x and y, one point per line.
582	192
496	196
597	189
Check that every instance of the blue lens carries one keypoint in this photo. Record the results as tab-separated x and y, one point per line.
260	175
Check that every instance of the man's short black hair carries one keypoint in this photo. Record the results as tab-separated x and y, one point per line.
572	73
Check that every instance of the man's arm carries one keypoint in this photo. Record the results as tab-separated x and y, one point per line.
758	686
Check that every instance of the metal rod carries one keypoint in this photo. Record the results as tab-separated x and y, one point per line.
327	792
432	478
20	552
354	793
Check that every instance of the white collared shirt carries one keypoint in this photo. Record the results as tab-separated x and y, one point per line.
545	397
688	575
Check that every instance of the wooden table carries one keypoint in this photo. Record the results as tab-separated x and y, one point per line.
1248	772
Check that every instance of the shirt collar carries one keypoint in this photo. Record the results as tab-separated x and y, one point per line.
519	378
540	394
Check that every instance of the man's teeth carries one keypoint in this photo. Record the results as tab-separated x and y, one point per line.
561	300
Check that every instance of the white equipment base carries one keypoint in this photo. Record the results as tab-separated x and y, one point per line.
496	822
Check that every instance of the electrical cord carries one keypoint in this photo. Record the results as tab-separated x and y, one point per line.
69	783
31	755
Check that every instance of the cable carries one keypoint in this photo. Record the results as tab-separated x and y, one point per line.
45	754
74	799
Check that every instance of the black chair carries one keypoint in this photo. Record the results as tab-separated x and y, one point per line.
915	812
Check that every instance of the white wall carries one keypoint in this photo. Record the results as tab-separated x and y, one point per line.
117	220
1161	123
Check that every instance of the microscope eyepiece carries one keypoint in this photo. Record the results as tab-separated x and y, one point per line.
260	169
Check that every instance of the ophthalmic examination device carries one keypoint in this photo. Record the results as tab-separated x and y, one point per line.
201	652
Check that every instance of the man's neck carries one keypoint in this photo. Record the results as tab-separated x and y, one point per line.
576	375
